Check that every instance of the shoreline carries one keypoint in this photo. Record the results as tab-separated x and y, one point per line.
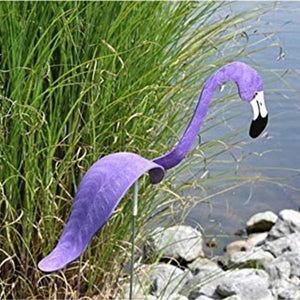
265	265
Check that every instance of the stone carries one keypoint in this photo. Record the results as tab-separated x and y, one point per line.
287	223
160	280
261	222
289	243
279	268
166	280
174	297
147	297
179	242
255	257
201	264
236	246
203	297
203	283
294	259
138	292
285	266
234	297
249	284
285	289
256	239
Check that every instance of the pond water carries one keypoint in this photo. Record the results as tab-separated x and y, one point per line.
275	155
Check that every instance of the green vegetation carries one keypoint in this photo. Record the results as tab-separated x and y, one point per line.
80	80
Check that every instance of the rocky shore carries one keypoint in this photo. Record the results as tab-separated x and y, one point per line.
265	265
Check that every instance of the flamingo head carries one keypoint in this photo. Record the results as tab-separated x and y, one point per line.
251	90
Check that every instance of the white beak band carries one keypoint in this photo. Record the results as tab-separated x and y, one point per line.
259	106
260	115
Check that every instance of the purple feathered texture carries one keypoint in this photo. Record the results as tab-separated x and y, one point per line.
99	192
106	182
248	82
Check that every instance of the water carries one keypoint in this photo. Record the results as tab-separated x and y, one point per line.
274	155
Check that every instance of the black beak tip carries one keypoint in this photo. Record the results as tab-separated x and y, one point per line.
258	126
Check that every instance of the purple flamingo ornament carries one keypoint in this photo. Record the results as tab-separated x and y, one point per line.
106	182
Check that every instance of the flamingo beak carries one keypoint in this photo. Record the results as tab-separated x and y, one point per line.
260	115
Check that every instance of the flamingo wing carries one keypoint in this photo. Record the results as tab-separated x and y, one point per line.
99	192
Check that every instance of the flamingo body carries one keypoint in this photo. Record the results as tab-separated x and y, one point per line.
106	182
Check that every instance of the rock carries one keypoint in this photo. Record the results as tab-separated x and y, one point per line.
248	284
255	257
147	297
285	266
236	246
294	259
234	297
174	297
202	264
138	292
257	239
287	223
160	280
261	222
279	269
166	280
179	242
284	289
203	297
203	283
289	243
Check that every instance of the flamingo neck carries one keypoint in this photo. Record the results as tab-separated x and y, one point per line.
185	144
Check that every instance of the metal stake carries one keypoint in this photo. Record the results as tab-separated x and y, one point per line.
134	215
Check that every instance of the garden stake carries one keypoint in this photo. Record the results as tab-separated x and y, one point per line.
107	181
134	216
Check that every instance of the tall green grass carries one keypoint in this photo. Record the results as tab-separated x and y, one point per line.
80	80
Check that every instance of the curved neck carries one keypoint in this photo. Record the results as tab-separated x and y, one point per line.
176	155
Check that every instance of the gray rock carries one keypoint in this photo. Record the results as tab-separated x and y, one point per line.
255	257
147	297
294	259
287	223
203	283
234	297
179	242
236	246
249	284
286	266
203	297
166	280
261	222
285	289
256	239
160	281
202	264
138	292
279	268
289	243
174	297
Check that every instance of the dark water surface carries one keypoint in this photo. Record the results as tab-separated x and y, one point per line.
275	155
